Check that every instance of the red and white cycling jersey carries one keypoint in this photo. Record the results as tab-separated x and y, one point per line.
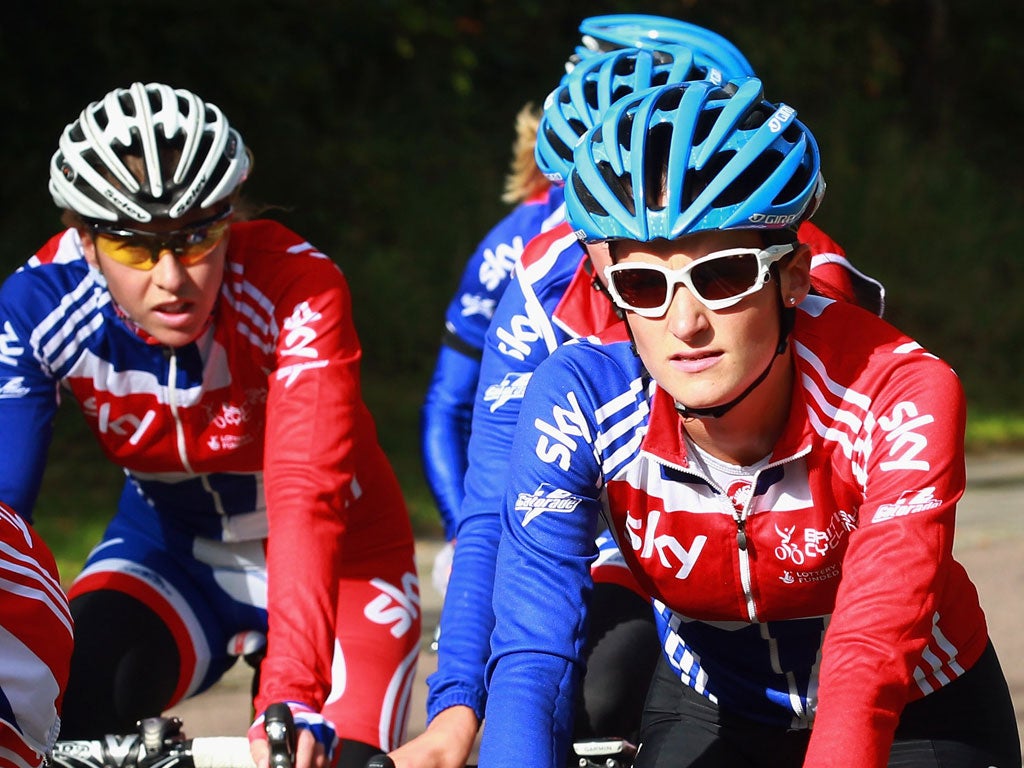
256	428
824	593
35	644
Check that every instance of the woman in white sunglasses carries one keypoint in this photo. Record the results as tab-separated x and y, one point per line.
216	362
781	472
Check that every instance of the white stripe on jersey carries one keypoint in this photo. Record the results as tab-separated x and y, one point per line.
70	323
636	411
46	589
255	310
554	218
31	690
106	378
528	275
838	404
941	667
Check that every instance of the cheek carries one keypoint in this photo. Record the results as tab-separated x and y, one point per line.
208	277
125	284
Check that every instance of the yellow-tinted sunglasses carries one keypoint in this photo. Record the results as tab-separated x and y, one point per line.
141	250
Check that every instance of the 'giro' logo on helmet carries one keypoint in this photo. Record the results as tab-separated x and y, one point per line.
760	218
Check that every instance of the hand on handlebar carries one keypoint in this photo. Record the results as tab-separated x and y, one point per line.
311	737
446	743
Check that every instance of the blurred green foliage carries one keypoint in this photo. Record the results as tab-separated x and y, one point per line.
383	131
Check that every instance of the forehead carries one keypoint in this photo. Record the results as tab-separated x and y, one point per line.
694	246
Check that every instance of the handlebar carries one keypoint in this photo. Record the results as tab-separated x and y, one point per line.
160	743
589	753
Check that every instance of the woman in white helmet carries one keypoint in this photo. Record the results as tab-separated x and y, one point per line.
216	361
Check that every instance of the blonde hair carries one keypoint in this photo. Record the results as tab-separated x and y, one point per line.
524	179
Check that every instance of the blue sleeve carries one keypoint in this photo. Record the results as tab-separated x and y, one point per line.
511	353
28	401
448	405
444	431
542	581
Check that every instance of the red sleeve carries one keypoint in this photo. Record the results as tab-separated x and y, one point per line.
899	575
313	404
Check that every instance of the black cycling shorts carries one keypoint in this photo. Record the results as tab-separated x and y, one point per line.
969	723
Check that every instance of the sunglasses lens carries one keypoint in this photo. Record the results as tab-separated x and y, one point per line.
197	245
641	288
725	277
125	250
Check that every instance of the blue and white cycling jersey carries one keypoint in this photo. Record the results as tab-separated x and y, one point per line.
448	405
550	300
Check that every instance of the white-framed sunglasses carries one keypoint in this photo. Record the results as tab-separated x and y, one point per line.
718	280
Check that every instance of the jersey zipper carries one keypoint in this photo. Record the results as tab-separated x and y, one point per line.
741	532
795	699
172	399
179	430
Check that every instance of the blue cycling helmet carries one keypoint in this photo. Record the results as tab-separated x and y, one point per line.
638	30
584	94
689	157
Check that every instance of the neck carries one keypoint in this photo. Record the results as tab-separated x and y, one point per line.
751	429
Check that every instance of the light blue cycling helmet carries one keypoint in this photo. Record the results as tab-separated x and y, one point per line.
584	94
689	157
638	30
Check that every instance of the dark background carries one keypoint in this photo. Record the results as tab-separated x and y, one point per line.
383	131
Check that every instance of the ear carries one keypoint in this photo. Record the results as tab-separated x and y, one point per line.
88	246
600	257
795	275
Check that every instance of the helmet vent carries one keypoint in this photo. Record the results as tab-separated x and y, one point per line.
587	200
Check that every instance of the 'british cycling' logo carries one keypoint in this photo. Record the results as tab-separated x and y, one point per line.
908	503
739	494
545	499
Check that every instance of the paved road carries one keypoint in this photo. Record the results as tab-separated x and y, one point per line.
990	544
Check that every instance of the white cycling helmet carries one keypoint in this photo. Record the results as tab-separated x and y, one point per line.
157	124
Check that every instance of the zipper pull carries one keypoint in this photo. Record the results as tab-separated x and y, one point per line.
741	533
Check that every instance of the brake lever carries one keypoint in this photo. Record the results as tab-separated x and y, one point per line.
280	727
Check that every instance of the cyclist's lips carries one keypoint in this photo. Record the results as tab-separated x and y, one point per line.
173	307
174	313
694	362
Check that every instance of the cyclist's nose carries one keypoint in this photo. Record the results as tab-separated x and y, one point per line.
686	315
169	273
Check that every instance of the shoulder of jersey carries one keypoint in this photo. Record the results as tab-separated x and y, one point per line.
560	237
